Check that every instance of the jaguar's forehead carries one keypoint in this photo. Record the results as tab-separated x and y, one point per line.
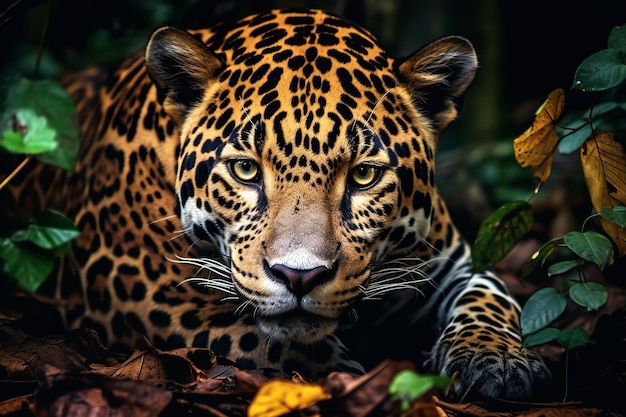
313	79
302	40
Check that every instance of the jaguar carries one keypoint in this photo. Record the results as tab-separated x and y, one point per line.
252	187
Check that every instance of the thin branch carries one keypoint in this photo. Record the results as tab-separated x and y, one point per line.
15	171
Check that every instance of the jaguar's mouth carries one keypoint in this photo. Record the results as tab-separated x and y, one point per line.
297	325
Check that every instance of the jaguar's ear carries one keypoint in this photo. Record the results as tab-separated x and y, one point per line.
438	75
180	66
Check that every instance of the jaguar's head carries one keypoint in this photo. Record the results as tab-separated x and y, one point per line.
306	155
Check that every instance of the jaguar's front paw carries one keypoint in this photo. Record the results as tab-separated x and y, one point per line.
487	372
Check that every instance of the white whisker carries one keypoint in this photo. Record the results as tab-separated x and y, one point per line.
380	100
219	275
246	112
160	220
178	234
213	283
240	309
399	274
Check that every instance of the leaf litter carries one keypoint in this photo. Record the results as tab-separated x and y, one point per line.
76	375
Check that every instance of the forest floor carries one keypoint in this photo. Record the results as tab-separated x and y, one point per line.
73	374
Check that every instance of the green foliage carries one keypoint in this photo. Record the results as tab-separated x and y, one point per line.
408	386
29	253
29	134
541	309
28	265
48	230
545	335
590	246
589	294
576	128
37	117
616	215
568	255
500	232
604	69
572	338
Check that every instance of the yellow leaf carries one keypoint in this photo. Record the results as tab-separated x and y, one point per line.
277	398
535	147
604	165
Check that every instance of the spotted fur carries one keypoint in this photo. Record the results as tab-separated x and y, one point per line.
243	188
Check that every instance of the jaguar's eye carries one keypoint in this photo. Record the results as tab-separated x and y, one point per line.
245	170
364	176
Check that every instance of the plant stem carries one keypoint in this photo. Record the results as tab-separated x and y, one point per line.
582	229
535	192
44	30
15	171
566	375
7	10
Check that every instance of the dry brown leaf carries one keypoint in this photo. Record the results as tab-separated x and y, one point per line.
141	366
367	394
535	147
248	381
563	412
425	406
21	355
95	395
17	405
604	165
468	409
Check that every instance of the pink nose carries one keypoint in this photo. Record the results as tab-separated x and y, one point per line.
301	282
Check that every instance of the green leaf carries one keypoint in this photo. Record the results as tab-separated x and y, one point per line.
572	142
500	232
591	246
564	266
541	309
617	39
48	230
407	386
35	138
616	215
49	100
13	141
572	338
542	336
538	258
29	265
600	71
589	294
577	129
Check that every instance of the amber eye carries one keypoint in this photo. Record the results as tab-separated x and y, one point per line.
364	176
245	170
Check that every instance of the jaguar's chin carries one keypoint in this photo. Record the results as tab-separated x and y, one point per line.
297	326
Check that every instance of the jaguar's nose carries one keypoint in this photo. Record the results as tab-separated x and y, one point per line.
300	282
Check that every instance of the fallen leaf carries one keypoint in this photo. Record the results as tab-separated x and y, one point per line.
95	395
278	397
367	394
140	366
604	166
535	147
21	355
425	406
16	405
